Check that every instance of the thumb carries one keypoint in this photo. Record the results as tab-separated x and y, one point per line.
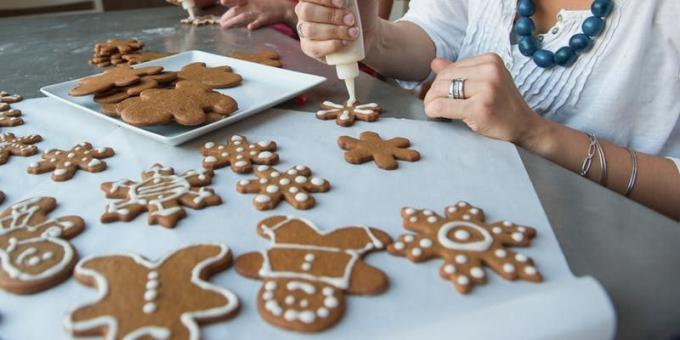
439	65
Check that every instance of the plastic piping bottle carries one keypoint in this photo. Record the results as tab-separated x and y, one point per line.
347	60
190	7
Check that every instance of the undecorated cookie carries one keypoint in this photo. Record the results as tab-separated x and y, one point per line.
142	299
346	114
306	272
213	77
370	146
142	57
5	97
266	57
273	186
64	163
9	116
10	145
239	153
466	243
34	250
117	47
161	193
119	76
118	94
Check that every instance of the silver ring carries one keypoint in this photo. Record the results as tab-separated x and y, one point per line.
299	30
457	89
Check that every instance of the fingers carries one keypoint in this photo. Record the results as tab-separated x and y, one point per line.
327	32
312	12
439	64
232	3
236	17
446	108
441	86
328	3
320	49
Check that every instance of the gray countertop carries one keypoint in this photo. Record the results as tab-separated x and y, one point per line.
630	249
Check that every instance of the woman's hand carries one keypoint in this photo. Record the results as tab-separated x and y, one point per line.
493	106
254	14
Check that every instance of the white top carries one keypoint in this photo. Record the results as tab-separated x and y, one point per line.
626	89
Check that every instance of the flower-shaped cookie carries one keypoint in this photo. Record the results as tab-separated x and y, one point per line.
239	153
346	114
213	77
385	153
272	186
65	163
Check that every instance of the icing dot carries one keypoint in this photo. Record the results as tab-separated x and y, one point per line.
322	312
522	229
300	167
413	219
500	253
428	212
262	199
33	165
399	245
507	223
293	190
463	280
272	189
225	154
327	291
452	210
460	259
521	258
477	272
71	155
306	266
466	217
292	172
262	168
253	153
408	238
152	275
462	235
240	149
496	230
474	211
517	237
508	268
264	144
240	163
267	295
151	284
270	285
462	204
300	179
201	177
263	180
416	251
150	295
409	211
221	147
426	243
304	303
264	154
317	181
330	302
236	138
209	145
290	300
275	174
449	269
301	197
284	181
273	307
149	307
34	261
243	182
530	270
432	219
47	255
309	257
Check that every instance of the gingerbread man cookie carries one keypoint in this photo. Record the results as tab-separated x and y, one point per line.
9	116
65	163
213	77
266	57
10	145
142	299
306	272
466	243
5	97
142	57
119	76
118	94
34	250
272	186
384	153
161	193
346	114
239	153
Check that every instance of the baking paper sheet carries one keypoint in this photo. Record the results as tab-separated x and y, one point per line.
455	165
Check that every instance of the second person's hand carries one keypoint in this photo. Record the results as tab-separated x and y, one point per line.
254	14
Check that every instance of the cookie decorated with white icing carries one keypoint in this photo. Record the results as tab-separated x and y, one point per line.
466	243
9	117
239	153
346	114
35	253
272	186
64	163
142	299
11	145
307	272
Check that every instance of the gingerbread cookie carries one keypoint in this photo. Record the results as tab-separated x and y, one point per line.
466	243
117	47
142	57
239	153
10	145
9	116
201	20
34	251
5	97
161	193
187	104
142	299
118	94
213	77
65	163
267	57
307	272
346	114
119	76
384	153
2	197
272	186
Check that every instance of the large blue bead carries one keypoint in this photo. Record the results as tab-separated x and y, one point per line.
524	26
580	42
527	45
593	26
544	58
602	8
526	8
565	56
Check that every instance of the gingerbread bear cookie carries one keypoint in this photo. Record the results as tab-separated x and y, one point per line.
161	193
9	117
239	153
142	299
34	250
10	145
188	104
214	77
346	114
5	97
384	153
466	243
307	272
64	163
272	186
119	76
266	57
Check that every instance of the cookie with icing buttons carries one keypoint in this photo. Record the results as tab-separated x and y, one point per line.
467	244
11	145
6	97
307	272
239	153
64	163
214	77
9	117
118	76
35	253
346	114
272	186
161	193
371	147
266	57
201	20
142	299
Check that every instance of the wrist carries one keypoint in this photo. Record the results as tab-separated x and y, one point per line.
538	136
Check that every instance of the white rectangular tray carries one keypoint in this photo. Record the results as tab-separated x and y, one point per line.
263	87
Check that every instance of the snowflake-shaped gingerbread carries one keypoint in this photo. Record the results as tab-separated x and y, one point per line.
9	116
239	153
65	163
11	145
346	114
466	243
272	186
142	299
35	253
306	272
384	153
161	193
5	97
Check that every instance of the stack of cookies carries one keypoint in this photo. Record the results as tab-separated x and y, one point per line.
112	51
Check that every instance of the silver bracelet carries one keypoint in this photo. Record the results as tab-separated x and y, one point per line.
588	161
603	164
633	173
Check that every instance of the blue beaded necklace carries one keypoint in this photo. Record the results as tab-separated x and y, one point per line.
567	55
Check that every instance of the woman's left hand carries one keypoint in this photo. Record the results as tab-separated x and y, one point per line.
492	107
254	14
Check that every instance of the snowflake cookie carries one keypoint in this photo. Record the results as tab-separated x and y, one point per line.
142	299
9	117
306	272
239	153
466	243
65	163
272	186
35	253
10	145
384	153
346	114
161	193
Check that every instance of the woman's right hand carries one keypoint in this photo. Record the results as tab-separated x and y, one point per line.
326	26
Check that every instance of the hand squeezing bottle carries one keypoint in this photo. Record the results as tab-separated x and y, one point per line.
347	60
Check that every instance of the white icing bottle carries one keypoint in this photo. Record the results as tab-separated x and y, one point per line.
347	60
190	7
